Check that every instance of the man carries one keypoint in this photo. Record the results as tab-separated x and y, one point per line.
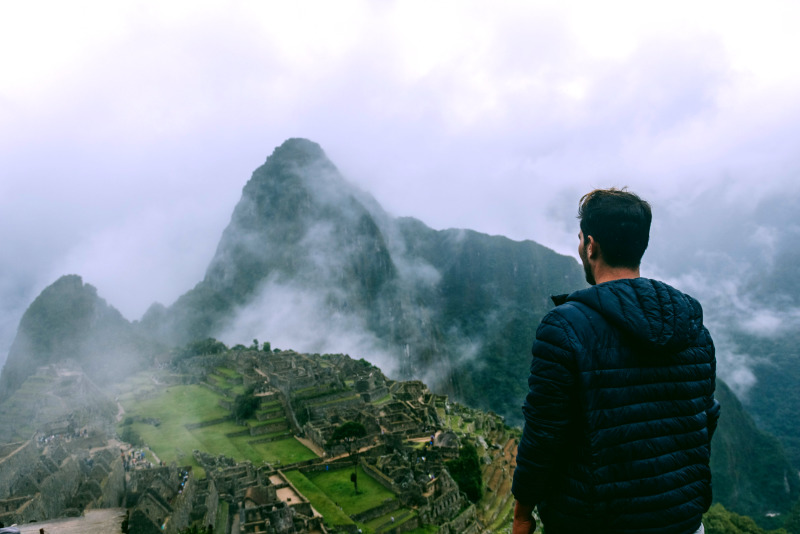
620	411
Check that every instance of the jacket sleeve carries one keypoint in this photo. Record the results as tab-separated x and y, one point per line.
546	408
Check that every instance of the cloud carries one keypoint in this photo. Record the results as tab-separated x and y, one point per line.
129	129
294	317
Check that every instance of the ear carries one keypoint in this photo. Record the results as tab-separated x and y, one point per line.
592	248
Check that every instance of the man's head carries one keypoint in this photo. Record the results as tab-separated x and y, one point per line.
618	223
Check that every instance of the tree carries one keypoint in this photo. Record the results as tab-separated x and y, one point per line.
202	347
718	520
466	471
244	406
349	433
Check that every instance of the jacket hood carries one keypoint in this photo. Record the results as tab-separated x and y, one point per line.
650	311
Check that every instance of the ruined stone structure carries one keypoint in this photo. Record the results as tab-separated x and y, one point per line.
405	450
168	499
47	478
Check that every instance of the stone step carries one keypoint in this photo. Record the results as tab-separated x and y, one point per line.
397	520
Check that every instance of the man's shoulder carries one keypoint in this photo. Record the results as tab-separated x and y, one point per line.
573	320
571	311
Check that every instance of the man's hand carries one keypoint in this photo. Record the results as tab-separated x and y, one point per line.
524	523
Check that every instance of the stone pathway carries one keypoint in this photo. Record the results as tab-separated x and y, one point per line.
103	521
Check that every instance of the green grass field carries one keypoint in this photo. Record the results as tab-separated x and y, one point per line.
178	406
425	529
383	400
222	516
330	511
370	492
228	373
320	486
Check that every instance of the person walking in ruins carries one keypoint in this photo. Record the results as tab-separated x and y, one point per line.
620	410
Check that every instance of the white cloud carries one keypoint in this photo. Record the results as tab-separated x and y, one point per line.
291	317
129	128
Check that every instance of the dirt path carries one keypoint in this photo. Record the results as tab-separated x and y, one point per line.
92	522
15	451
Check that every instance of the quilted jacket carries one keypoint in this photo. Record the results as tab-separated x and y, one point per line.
620	413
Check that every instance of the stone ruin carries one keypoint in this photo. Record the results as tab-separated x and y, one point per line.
57	475
404	449
261	498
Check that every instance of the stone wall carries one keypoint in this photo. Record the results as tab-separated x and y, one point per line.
182	507
211	502
465	523
114	486
380	477
54	493
17	460
382	509
269	429
274	413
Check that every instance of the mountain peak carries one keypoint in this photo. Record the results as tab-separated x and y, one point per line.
67	319
298	147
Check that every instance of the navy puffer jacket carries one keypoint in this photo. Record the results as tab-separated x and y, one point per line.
620	413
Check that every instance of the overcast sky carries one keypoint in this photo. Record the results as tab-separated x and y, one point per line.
128	128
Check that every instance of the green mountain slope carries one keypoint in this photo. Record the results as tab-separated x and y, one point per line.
69	321
751	473
443	304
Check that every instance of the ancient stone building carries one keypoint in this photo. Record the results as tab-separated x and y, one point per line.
161	499
48	478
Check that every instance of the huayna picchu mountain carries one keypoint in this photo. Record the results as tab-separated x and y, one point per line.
444	305
312	261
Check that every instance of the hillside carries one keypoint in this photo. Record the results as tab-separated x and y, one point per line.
68	321
438	305
185	414
189	404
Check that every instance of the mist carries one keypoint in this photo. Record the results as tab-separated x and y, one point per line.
297	318
127	135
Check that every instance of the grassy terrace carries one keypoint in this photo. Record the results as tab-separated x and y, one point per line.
268	422
382	400
370	492
178	406
228	380
401	515
222	516
318	487
228	373
335	401
330	511
271	405
315	392
425	529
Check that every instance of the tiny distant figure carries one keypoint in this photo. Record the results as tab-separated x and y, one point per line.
620	409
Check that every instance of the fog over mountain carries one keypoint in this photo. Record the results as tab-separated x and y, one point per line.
126	134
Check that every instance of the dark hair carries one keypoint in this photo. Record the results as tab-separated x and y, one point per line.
620	223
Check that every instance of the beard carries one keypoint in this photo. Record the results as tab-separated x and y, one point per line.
587	269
